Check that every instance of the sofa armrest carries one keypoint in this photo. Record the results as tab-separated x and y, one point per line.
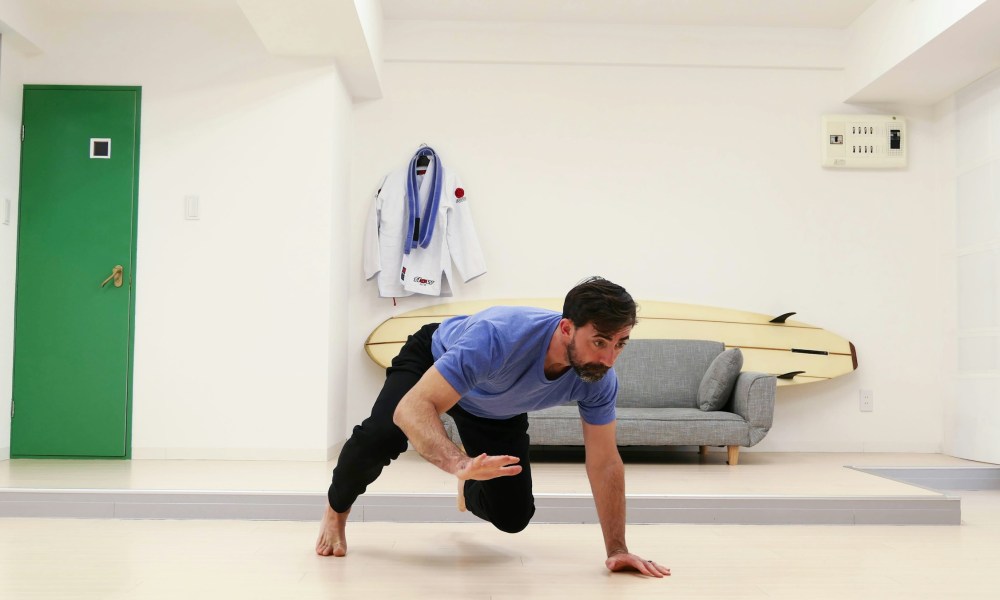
753	399
450	429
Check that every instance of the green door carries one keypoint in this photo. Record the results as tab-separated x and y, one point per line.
76	225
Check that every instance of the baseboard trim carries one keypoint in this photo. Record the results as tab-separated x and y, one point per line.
430	508
262	454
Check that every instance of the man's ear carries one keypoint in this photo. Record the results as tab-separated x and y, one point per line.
566	327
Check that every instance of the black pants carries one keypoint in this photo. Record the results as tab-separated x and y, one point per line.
507	502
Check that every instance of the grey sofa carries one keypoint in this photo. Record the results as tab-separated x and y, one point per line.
658	402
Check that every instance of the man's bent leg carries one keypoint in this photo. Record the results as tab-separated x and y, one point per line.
377	440
506	502
374	443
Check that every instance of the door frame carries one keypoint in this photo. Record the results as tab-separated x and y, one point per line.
134	225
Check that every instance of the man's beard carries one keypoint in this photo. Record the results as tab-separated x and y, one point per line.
588	372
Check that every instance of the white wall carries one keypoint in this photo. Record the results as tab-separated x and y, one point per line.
973	423
686	184
10	148
234	311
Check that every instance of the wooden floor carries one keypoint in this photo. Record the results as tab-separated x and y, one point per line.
663	487
762	473
113	558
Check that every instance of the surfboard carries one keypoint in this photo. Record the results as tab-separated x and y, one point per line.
793	351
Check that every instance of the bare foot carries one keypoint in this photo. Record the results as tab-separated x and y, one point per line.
461	495
332	539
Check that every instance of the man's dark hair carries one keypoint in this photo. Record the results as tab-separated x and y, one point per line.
604	304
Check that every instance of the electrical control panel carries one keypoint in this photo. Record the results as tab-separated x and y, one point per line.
864	141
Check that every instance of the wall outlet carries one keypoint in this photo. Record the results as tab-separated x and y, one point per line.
867	401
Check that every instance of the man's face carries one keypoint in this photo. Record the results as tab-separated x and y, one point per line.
591	353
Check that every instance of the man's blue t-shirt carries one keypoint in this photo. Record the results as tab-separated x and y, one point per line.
495	359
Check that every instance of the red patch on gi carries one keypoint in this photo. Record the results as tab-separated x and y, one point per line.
459	193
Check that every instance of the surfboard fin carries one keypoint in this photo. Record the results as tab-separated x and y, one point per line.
782	318
790	374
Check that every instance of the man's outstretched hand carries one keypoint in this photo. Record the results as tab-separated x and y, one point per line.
485	467
630	562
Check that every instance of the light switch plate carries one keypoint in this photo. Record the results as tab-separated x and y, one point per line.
192	207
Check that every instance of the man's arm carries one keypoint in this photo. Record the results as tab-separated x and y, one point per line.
607	482
418	414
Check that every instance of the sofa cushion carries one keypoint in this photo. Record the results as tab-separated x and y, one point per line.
643	427
558	425
717	385
566	411
663	373
680	427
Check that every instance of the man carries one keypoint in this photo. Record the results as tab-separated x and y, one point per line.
487	371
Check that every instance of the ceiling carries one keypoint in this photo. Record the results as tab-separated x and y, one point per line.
954	57
835	14
831	14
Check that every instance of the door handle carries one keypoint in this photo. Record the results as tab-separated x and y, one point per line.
116	274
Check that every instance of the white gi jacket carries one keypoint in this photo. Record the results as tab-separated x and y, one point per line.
423	270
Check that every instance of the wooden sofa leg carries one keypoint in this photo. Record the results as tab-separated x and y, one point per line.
703	450
734	455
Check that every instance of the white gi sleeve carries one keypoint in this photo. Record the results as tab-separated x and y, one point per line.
372	254
463	243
